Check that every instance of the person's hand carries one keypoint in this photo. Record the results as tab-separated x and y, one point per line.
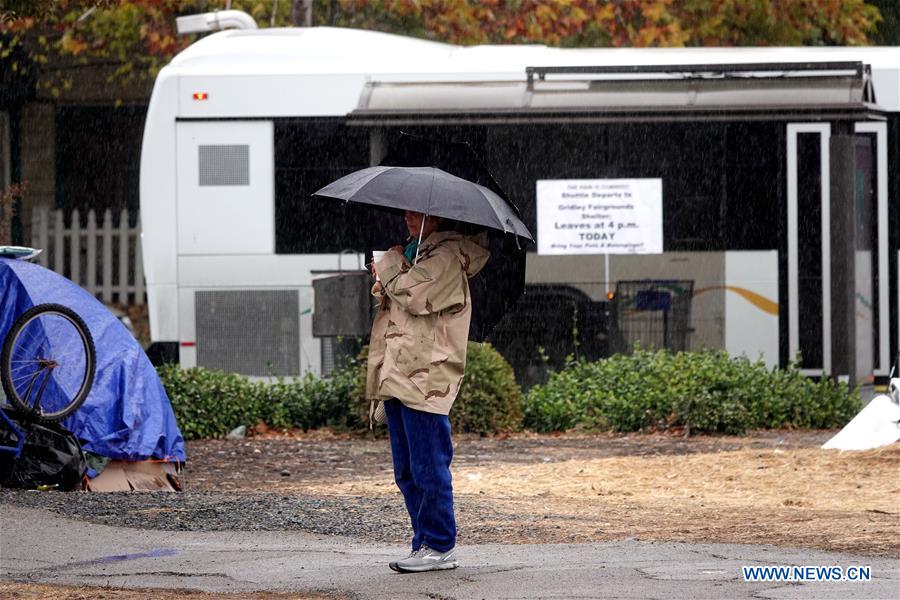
398	248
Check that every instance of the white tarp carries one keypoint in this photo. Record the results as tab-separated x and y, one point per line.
878	424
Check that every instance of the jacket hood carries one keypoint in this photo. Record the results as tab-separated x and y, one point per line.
471	250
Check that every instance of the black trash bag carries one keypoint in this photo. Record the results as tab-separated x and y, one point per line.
52	456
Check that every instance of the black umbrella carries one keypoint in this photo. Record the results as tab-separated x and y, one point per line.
432	191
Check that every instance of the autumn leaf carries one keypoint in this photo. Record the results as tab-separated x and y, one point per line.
655	12
72	45
606	13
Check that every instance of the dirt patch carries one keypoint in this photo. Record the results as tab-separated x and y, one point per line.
276	461
34	591
770	487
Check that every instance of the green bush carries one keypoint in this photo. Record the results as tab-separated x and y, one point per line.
701	391
331	401
489	398
209	403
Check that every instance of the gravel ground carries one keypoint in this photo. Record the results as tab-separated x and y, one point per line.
242	485
377	519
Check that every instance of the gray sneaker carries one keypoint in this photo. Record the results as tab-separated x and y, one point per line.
426	559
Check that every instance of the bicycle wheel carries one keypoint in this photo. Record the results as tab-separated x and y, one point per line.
48	362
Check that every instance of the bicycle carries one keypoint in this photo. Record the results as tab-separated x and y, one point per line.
48	363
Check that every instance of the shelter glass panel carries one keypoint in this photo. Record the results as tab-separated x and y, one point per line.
752	182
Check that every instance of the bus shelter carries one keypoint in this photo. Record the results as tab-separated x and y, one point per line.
775	181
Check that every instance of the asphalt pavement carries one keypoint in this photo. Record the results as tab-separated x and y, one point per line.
40	546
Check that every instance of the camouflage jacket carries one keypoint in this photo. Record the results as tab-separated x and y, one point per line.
417	351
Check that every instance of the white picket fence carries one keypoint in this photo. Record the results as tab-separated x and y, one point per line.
103	258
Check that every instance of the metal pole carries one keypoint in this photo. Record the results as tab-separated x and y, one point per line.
419	243
843	252
606	273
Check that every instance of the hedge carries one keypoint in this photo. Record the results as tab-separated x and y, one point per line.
705	391
489	399
209	403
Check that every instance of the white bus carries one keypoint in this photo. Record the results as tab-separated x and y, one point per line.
245	124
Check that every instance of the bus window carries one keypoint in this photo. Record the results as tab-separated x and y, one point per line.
308	155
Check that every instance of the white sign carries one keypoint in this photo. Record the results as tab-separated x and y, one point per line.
599	216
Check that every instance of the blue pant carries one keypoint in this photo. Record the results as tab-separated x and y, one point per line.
422	451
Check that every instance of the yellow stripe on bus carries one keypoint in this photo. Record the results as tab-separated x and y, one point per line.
757	300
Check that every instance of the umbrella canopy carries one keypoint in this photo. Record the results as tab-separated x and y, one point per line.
456	157
127	415
453	156
431	191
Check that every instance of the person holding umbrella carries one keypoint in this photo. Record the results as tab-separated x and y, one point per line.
417	351
417	357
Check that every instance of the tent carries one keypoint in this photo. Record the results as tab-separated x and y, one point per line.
127	417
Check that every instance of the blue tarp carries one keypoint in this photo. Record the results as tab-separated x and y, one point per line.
127	415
